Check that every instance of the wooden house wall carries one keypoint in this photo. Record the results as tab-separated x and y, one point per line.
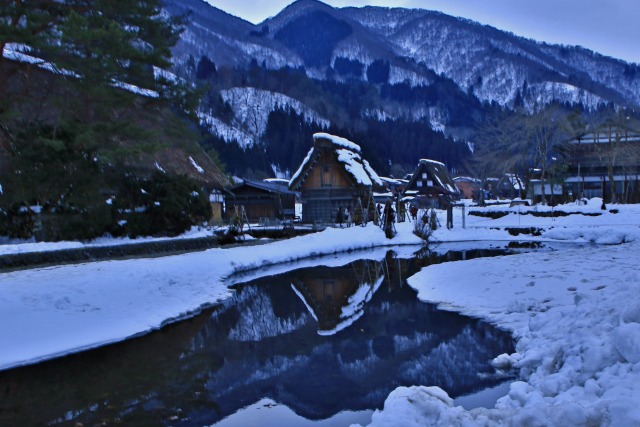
262	204
255	209
326	173
216	213
327	188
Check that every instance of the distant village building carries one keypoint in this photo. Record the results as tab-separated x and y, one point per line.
510	186
216	200
334	175
468	187
262	199
392	188
432	183
589	158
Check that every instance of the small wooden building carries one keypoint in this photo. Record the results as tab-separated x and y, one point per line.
333	175
262	200
216	200
432	182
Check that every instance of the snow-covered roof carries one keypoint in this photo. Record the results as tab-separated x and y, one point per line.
339	141
374	176
195	165
303	165
466	179
269	186
440	175
391	181
433	162
282	181
349	154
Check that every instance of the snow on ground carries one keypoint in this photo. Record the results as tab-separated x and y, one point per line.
575	313
53	311
15	246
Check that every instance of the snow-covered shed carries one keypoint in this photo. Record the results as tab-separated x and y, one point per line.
432	182
333	175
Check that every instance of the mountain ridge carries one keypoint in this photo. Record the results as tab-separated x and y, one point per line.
466	51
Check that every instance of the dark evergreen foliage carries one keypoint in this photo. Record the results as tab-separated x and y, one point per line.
288	138
378	72
348	67
314	36
205	68
160	205
70	139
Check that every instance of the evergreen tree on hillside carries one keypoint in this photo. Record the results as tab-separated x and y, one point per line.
98	47
90	102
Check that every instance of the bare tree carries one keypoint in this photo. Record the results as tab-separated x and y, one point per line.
498	148
546	131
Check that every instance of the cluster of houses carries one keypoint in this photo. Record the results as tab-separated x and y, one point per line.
335	177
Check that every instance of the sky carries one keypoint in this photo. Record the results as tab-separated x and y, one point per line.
610	27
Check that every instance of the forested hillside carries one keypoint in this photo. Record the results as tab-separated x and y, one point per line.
94	137
404	84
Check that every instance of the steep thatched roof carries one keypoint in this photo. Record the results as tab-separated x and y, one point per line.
347	153
437	171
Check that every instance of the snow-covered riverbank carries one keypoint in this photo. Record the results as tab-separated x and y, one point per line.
575	313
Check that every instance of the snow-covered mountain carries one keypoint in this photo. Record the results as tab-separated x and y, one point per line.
493	65
399	81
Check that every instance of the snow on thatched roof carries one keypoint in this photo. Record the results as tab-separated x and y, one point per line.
336	140
349	154
440	174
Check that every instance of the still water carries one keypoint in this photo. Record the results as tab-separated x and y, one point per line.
320	343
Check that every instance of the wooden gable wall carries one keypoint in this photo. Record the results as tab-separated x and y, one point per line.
327	173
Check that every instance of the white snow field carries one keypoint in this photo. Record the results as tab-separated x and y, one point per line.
575	313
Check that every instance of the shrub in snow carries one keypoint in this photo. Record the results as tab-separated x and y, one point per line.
169	205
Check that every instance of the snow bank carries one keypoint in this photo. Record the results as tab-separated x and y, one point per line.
54	311
576	315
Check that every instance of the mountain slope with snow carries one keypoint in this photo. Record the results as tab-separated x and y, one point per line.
492	64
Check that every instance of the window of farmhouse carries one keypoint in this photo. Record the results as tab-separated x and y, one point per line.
326	176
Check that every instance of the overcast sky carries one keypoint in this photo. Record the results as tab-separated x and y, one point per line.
611	27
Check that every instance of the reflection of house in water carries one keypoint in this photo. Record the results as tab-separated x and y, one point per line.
336	297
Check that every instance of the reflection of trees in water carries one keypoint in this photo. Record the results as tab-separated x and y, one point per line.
264	342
